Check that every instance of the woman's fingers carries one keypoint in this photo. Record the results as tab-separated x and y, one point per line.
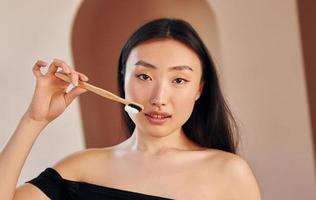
37	68
76	91
65	68
53	67
73	93
75	76
83	77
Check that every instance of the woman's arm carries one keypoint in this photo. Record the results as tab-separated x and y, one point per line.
14	154
49	101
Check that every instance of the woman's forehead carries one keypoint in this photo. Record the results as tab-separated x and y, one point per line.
164	53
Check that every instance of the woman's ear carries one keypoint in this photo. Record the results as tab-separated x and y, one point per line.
200	90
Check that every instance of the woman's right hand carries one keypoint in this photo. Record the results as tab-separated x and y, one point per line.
50	98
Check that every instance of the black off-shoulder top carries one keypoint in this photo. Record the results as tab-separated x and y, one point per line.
56	187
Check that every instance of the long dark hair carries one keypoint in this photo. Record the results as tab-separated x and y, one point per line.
211	123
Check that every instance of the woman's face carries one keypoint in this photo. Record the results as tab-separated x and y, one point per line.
165	77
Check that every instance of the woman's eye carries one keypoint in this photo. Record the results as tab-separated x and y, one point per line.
143	77
180	81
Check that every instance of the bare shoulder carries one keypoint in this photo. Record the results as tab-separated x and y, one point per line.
228	161
236	174
72	167
75	165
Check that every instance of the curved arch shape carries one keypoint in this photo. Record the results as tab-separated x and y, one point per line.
99	31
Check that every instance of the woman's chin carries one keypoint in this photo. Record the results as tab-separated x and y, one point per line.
157	131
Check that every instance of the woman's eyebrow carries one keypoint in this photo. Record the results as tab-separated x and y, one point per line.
177	68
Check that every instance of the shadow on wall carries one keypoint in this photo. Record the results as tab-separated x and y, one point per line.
307	17
99	32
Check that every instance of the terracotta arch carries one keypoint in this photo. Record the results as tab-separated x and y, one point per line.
99	31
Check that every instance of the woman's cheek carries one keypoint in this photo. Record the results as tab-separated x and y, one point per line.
186	101
135	91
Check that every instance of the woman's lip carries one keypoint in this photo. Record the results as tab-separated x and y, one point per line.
157	120
164	114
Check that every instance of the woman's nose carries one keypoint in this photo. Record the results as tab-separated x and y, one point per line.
159	97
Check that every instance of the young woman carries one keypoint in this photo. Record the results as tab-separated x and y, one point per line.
181	146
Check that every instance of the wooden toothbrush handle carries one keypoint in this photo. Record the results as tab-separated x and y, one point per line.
96	90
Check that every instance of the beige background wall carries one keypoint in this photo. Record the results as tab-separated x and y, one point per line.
262	72
264	79
31	30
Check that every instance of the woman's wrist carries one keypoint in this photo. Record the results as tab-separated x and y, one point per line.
29	119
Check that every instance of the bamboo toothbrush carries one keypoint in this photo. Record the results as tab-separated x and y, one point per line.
130	106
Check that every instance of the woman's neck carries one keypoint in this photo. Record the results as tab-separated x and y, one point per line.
147	144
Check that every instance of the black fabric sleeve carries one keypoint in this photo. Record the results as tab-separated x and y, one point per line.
56	187
51	183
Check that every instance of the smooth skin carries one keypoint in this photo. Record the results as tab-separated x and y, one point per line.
157	159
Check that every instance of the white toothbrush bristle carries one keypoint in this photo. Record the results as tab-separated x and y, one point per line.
130	109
